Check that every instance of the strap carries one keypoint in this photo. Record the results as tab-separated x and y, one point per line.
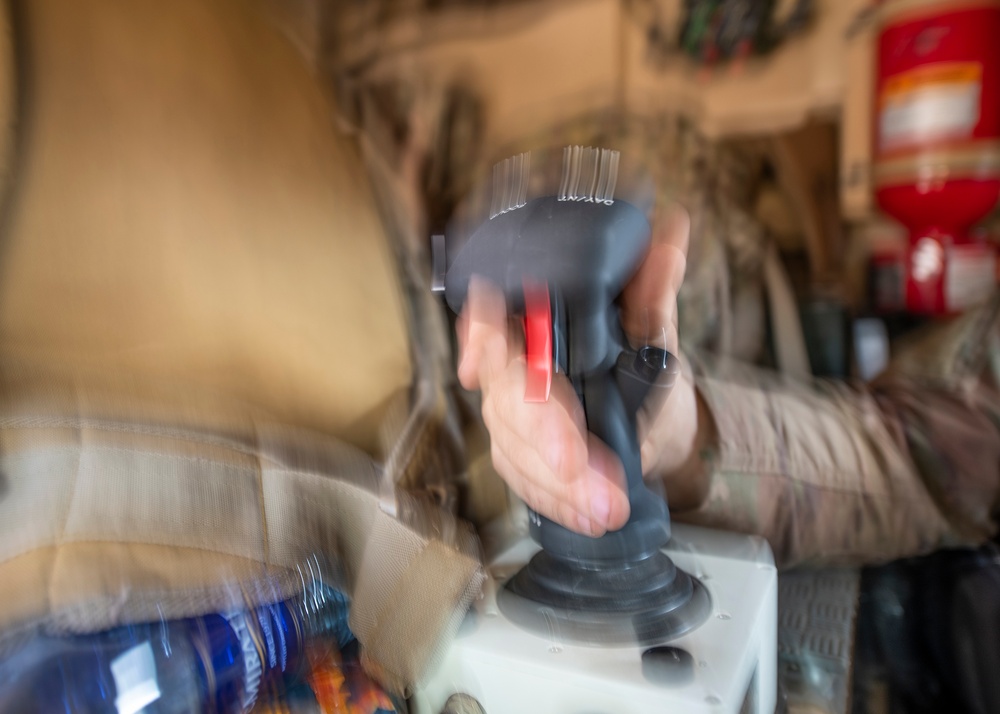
404	626
789	340
153	522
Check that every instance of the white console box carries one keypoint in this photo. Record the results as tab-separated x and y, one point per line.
733	667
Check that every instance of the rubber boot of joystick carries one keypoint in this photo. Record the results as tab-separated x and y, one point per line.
620	588
643	601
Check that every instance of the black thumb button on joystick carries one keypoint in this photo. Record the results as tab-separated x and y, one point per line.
648	373
650	362
668	666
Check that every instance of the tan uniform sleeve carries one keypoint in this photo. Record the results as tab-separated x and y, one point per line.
831	473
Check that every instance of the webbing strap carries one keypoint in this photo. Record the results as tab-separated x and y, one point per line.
789	341
405	626
101	525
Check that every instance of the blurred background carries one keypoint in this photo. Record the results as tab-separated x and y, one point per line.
842	191
183	185
760	117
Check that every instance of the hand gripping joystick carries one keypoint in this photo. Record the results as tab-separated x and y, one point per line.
562	261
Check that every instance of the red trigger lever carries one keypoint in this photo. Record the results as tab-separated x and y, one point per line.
538	341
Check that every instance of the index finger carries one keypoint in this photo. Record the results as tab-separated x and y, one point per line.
482	335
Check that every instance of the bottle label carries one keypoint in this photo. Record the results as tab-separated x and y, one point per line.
134	672
274	640
264	640
933	102
252	670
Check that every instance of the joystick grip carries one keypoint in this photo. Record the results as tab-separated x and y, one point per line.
611	401
563	264
562	261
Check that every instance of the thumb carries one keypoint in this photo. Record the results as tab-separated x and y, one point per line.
649	302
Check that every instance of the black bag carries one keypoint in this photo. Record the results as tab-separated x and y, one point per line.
932	627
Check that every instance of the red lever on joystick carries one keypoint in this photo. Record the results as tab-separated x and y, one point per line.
538	342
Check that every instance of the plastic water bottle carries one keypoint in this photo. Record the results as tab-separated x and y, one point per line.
215	663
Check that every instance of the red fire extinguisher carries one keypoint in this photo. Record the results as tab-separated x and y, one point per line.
937	144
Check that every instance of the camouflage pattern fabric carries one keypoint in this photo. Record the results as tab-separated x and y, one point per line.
828	472
837	473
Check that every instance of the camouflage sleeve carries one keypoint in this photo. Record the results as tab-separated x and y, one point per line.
836	473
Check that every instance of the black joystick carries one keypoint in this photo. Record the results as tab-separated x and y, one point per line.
563	262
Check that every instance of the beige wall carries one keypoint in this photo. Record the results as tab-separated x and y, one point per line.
579	55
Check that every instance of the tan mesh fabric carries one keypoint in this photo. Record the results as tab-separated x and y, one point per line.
203	328
10	107
105	521
84	587
411	610
185	211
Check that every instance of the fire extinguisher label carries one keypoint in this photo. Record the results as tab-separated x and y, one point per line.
970	276
933	102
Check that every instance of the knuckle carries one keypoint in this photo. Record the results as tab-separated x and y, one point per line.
567	517
496	454
580	501
503	465
556	456
570	458
489	413
496	410
534	498
574	520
